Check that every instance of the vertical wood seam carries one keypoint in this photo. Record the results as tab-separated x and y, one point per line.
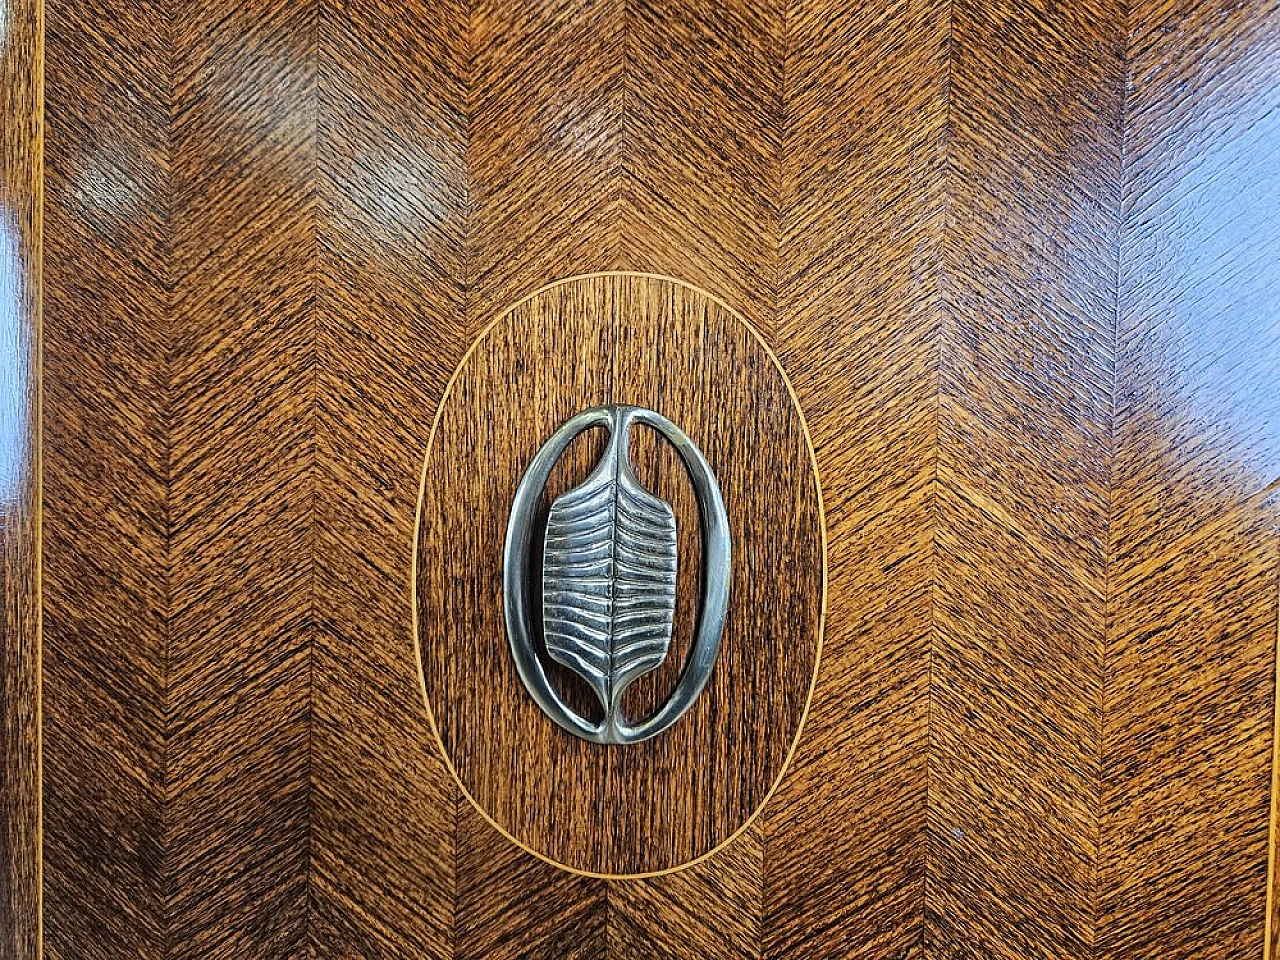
621	190
773	338
1268	927
169	286
38	466
313	469
941	314
1109	547
469	203
623	174
468	299
1273	828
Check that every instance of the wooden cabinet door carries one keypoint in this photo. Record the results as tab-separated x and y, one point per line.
1001	276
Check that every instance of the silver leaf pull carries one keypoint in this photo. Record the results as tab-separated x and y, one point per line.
609	578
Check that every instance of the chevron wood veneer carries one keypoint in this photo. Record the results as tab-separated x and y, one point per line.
383	838
105	563
1193	547
1019	261
1016	701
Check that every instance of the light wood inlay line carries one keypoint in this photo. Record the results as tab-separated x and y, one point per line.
1271	943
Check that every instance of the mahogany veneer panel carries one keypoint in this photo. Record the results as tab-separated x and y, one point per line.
21	64
1019	263
106	468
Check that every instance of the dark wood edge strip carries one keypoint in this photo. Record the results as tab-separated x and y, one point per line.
21	150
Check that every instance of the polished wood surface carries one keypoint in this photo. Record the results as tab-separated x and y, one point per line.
1017	702
1194	546
21	143
105	565
644	341
1018	261
858	332
391	327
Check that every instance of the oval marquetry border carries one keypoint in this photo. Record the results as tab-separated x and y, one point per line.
581	336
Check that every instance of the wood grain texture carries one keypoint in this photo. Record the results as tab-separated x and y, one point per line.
700	200
391	218
1191	643
667	916
859	330
1043	725
1271	947
512	904
242	385
544	177
566	179
544	172
106	466
21	145
179	362
1023	472
649	342
701	140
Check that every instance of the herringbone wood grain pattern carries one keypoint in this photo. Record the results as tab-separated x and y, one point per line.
108	324
1016	699
1191	641
242	480
860	290
390	328
1019	261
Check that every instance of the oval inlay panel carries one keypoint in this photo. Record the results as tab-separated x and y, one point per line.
653	806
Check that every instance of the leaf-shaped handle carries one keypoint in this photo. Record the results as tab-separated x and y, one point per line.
609	577
609	574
